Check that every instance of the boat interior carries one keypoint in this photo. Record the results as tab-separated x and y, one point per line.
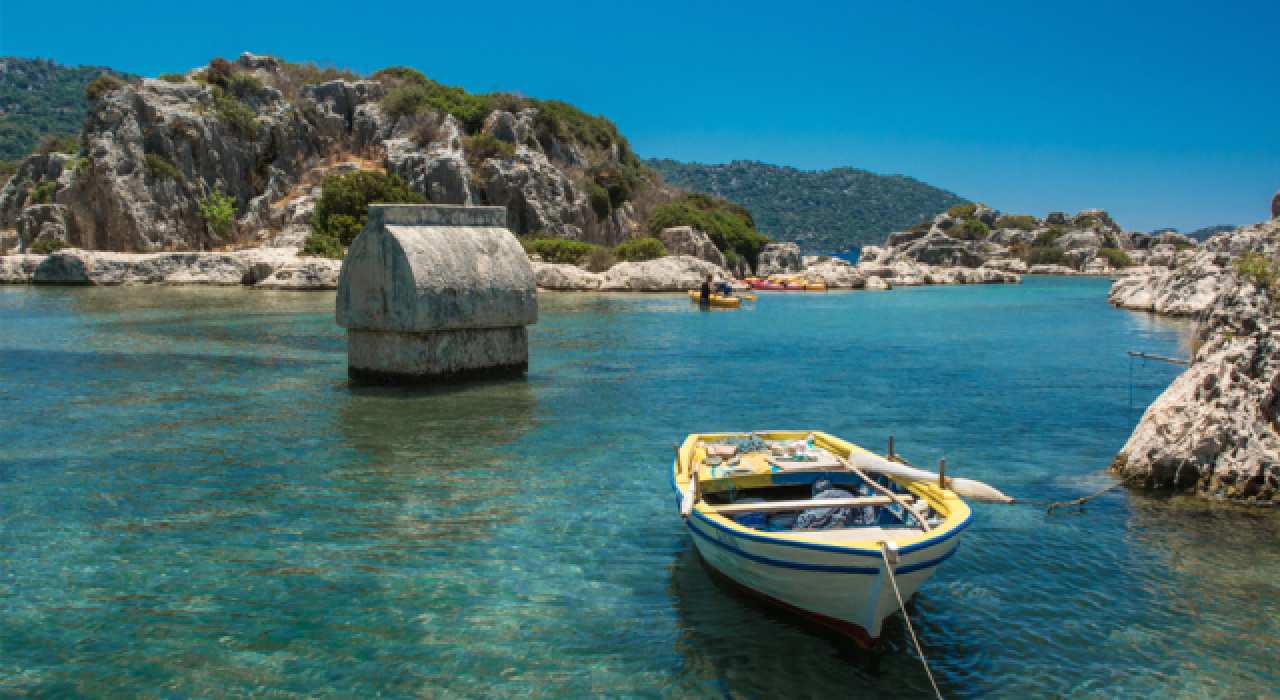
800	483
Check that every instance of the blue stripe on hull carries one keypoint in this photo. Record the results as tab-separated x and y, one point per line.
862	570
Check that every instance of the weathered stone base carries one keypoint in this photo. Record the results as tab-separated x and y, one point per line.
387	357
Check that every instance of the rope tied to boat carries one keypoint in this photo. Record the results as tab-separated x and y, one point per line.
1064	504
888	567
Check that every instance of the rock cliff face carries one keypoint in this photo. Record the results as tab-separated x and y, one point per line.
1200	276
152	151
1214	428
685	240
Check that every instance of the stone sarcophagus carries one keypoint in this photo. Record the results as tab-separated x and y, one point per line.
436	293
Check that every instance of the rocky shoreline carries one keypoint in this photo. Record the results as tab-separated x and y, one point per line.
1213	430
260	268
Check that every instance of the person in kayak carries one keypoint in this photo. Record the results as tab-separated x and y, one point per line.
705	297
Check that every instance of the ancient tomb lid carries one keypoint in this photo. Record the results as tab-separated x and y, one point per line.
426	267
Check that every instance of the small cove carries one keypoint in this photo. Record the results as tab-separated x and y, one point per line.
198	503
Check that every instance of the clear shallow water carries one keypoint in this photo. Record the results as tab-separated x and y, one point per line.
196	503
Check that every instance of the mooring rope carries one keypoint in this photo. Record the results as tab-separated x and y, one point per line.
1076	502
919	649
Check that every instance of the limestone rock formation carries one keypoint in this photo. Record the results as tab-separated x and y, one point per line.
954	242
1213	429
303	274
74	266
686	240
153	150
1199	278
779	259
435	293
539	197
1275	206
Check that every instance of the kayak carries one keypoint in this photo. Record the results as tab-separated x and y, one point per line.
716	299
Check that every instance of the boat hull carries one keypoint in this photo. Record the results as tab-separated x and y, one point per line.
847	592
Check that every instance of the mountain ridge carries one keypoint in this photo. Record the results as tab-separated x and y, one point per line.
833	210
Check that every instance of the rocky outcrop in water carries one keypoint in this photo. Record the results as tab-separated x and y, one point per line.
674	273
984	238
1200	276
263	267
884	264
1214	429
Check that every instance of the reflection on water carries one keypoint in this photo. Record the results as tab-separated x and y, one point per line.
199	503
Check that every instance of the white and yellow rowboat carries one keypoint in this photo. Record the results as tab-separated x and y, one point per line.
737	511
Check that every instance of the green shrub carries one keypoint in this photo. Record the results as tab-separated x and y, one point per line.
1085	222
219	211
557	250
922	226
640	249
1049	239
219	72
239	119
244	85
400	75
8	169
323	246
729	225
970	230
42	193
731	259
53	143
172	77
1259	268
1047	256
599	259
160	169
1019	248
1183	246
293	75
101	85
470	110
343	208
1025	223
600	203
481	147
1118	258
48	246
79	165
568	123
963	211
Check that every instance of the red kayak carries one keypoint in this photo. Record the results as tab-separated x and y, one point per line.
761	284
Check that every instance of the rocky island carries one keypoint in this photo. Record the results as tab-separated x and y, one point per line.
1213	430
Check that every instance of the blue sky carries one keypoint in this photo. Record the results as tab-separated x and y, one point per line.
1164	113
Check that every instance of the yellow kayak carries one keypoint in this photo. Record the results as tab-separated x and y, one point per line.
816	287
716	299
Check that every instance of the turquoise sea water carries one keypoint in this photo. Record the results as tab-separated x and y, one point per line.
197	503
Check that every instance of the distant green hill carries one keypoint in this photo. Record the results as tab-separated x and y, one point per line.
38	97
823	210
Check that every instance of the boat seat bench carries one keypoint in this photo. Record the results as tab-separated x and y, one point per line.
784	506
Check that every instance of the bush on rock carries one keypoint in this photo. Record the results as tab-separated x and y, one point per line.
640	249
160	169
970	230
729	225
343	208
1117	258
46	247
42	193
557	250
101	85
219	211
1047	256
